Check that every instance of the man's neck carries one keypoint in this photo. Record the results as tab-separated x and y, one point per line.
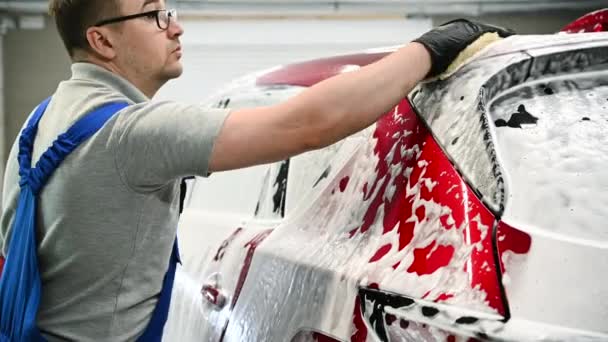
148	87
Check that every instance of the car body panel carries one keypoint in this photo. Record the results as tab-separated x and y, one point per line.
403	233
596	21
306	74
551	166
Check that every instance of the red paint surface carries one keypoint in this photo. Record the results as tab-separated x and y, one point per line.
359	328
593	22
427	260
443	297
386	139
251	247
511	239
1	265
439	182
406	234
344	183
444	221
380	253
390	319
450	190
212	294
323	338
309	73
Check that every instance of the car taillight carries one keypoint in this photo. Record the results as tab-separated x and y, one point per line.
593	22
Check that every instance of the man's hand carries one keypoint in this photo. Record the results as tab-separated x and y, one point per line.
445	42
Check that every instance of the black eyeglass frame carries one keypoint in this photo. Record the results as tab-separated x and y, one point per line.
170	14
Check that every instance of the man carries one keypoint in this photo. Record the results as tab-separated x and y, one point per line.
107	217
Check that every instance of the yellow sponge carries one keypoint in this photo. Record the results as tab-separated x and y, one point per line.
468	53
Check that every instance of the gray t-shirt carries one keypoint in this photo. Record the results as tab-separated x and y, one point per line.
107	218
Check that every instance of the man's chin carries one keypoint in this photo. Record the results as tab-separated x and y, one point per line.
174	71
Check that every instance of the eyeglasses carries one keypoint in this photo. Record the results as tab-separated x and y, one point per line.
163	18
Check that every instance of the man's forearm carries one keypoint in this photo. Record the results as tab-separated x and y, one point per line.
343	105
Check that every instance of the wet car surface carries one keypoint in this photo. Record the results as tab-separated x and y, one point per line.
472	210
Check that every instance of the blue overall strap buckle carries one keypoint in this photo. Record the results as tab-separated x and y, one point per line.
20	285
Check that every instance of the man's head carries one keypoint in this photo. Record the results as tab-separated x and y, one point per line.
143	49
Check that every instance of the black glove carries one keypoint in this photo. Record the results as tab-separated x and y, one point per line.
445	42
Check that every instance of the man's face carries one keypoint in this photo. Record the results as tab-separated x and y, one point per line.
144	48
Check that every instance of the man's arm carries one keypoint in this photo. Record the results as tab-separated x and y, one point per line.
327	112
340	106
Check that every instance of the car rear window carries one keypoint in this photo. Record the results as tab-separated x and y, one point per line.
551	138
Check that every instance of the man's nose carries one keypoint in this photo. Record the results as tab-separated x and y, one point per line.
175	29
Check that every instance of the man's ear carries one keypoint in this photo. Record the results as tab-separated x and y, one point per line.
101	42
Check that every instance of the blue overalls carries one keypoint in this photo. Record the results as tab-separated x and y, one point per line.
20	285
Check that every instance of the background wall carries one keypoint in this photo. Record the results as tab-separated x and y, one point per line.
544	22
34	62
218	51
2	106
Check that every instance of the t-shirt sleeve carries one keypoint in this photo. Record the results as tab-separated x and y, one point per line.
159	142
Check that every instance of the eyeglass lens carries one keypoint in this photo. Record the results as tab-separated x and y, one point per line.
164	18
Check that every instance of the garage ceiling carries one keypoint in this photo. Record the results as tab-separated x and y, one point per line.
387	7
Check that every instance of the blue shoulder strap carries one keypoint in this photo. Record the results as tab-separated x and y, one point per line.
20	285
155	328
